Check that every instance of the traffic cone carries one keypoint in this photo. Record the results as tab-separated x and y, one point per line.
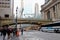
17	34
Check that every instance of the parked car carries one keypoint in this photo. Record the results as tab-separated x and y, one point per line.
57	30
47	29
50	29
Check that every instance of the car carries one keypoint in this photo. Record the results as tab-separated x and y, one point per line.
57	30
50	29
47	29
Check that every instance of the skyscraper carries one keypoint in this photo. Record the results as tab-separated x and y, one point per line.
51	10
6	8
22	4
47	1
22	8
36	9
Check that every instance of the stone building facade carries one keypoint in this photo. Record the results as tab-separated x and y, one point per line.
51	10
7	9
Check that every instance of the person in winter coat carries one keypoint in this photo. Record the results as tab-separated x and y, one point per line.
4	32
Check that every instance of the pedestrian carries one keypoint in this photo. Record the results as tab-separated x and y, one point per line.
9	31
14	31
4	31
1	28
21	31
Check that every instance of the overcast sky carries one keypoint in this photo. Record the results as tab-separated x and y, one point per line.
29	5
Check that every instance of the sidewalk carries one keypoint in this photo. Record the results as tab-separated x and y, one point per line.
25	36
36	35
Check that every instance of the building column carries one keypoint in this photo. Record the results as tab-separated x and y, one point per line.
58	9
45	16
52	14
58	12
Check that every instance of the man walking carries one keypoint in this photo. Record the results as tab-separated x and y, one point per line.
4	31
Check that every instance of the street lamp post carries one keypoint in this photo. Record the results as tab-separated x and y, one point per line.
20	24
16	17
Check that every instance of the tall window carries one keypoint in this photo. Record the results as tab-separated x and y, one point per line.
54	11
54	8
48	15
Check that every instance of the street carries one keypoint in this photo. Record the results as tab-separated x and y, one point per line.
36	35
